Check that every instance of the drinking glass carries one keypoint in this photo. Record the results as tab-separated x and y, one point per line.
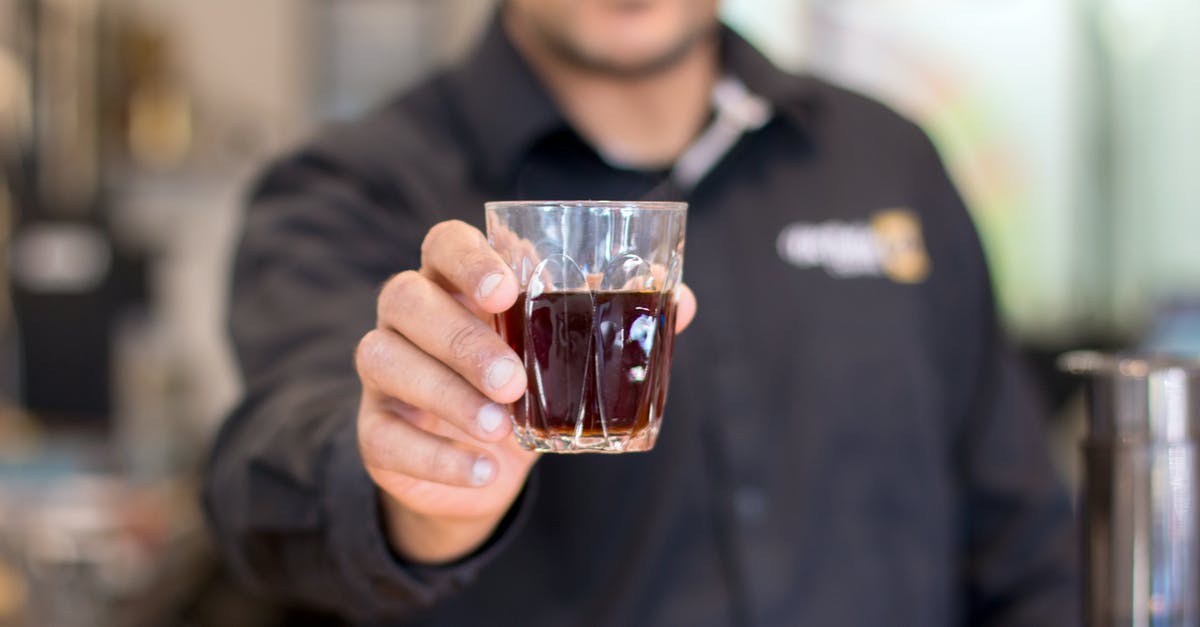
595	320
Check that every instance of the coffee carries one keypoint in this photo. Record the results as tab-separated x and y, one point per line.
596	361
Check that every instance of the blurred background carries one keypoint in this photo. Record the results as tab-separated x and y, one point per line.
129	130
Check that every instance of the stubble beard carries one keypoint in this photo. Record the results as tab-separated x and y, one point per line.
574	55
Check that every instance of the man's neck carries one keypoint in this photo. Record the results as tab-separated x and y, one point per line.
643	122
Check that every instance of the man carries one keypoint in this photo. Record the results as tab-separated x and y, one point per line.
846	442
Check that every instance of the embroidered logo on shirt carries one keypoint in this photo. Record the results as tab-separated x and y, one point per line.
889	244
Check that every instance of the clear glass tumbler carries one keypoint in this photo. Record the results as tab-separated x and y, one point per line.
595	320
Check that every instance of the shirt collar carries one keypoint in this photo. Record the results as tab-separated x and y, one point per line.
507	109
791	95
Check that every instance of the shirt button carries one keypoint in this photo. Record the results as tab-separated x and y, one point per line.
749	504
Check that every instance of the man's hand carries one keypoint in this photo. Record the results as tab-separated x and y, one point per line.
433	425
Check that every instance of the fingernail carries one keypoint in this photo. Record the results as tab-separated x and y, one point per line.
501	372
483	471
490	417
489	283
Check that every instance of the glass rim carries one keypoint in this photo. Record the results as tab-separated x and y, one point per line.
1128	364
641	205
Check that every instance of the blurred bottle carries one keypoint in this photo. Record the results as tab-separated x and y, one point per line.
157	108
1141	526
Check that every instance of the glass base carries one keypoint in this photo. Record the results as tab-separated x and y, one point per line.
570	443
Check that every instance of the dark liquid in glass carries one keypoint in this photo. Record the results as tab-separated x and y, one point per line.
597	362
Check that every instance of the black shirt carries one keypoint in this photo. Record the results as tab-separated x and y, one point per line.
846	440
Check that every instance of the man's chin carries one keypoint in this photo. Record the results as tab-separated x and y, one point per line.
632	66
626	63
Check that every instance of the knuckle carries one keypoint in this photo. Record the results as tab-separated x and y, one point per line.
372	441
439	234
366	352
399	294
465	341
371	355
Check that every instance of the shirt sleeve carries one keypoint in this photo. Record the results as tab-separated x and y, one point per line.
288	499
1018	526
1018	531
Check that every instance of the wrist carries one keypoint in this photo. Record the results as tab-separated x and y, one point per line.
432	540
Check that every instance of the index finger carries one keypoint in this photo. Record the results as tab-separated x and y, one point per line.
458	256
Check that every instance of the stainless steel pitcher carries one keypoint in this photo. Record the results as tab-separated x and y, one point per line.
1141	560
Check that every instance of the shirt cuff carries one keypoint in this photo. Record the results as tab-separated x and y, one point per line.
386	584
463	571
